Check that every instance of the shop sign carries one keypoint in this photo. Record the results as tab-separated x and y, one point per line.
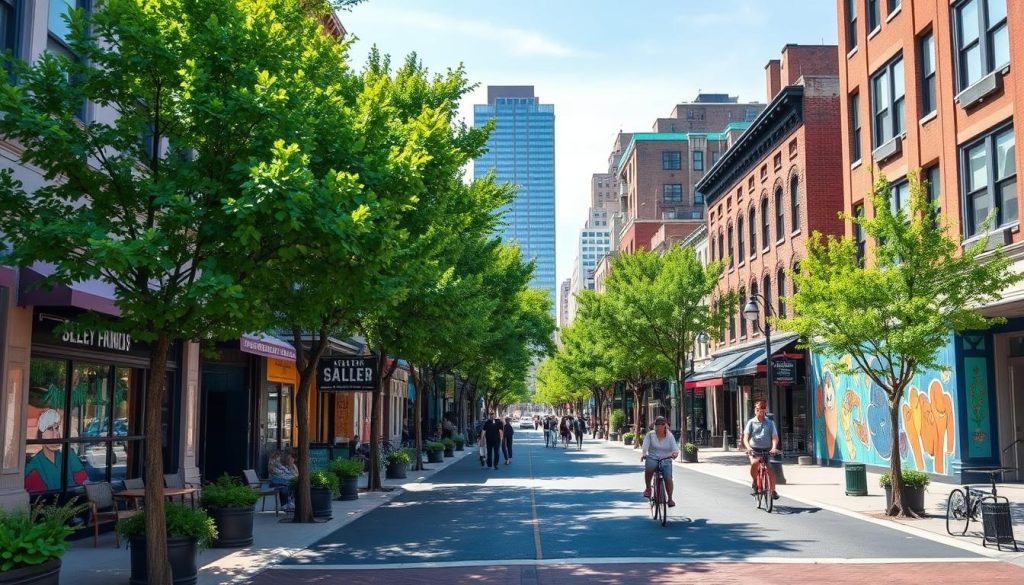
784	372
112	340
338	374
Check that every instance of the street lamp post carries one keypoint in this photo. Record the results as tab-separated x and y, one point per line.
752	314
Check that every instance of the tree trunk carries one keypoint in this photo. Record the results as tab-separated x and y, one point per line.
638	393
681	405
158	568
384	374
895	467
307	369
417	382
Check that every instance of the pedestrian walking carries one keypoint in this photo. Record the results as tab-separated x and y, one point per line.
492	434
506	441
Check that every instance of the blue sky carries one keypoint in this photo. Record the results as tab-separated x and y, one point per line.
606	65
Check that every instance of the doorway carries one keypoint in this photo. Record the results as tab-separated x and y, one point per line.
1014	454
225	421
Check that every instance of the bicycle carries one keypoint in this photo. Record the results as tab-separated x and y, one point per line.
763	485
964	505
659	494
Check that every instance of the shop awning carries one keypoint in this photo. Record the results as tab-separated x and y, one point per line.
93	295
8	276
713	373
748	364
267	345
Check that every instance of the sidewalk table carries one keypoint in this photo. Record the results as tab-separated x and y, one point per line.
169	493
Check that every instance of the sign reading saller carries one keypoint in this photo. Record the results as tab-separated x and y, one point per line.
339	374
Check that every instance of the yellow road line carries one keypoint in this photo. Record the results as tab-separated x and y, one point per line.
533	506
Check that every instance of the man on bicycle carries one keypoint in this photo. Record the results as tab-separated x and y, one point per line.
659	444
761	438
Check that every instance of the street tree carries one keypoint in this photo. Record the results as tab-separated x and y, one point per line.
202	112
581	360
893	316
662	305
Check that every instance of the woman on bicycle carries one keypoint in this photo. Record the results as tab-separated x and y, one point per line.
761	438
659	444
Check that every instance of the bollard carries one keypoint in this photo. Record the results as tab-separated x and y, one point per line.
725	442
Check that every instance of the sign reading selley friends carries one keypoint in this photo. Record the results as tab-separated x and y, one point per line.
346	373
112	340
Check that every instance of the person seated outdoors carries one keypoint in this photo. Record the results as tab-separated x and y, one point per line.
282	470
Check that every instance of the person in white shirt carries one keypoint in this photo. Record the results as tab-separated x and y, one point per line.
659	444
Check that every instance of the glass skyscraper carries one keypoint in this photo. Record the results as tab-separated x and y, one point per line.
521	150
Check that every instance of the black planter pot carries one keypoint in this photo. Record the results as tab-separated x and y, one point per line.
234	526
395	471
181	552
460	446
912	497
449	451
321	500
689	457
613	436
349	488
47	573
435	456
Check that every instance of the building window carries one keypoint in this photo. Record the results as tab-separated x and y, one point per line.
712	246
858	234
671	160
982	40
732	326
732	251
854	127
740	248
698	160
780	280
894	5
765	223
673	193
780	214
698	198
721	246
777	161
874	15
753	293
851	25
742	319
888	97
715	156
59	33
9	25
899	197
932	185
750	184
767	288
928	96
753	232
990	180
794	201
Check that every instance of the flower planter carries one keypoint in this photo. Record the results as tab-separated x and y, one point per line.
181	552
689	457
349	488
435	456
912	497
321	500
613	436
460	446
449	451
47	573
234	526
396	471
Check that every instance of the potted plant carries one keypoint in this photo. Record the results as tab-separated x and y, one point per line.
323	487
627	438
347	471
914	484
460	442
398	462
449	447
231	504
33	541
690	453
618	419
188	532
435	452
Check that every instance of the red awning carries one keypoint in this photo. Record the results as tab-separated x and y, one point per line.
706	383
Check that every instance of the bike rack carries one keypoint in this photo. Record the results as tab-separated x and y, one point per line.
997	523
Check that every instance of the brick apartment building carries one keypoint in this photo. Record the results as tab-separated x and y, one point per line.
778	183
929	86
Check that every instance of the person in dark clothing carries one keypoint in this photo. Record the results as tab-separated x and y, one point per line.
492	433
506	442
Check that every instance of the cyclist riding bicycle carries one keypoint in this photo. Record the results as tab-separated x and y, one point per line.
761	438
659	444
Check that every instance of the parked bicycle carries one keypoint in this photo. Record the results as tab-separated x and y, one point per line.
659	494
964	505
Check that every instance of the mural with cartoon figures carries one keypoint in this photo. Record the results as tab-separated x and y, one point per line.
852	417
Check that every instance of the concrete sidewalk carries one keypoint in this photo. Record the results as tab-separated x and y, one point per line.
275	539
825	487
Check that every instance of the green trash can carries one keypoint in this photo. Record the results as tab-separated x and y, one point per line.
856	479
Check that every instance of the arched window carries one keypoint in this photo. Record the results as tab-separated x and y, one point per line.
721	245
730	250
766	223
743	320
780	214
781	281
732	326
753	232
753	294
794	200
711	245
767	288
796	270
740	248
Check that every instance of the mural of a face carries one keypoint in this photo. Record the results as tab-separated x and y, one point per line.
829	412
928	421
878	422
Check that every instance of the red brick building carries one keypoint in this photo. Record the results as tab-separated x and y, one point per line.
778	183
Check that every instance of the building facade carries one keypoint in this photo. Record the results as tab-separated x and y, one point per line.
776	185
521	150
929	87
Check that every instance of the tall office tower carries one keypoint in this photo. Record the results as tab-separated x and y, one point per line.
521	150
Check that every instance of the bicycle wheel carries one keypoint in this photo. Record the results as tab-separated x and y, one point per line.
663	497
958	517
655	509
766	489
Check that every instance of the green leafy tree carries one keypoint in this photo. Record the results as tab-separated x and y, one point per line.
894	316
171	201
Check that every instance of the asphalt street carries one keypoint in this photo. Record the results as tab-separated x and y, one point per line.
554	504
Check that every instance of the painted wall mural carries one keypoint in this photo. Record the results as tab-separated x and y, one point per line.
852	417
